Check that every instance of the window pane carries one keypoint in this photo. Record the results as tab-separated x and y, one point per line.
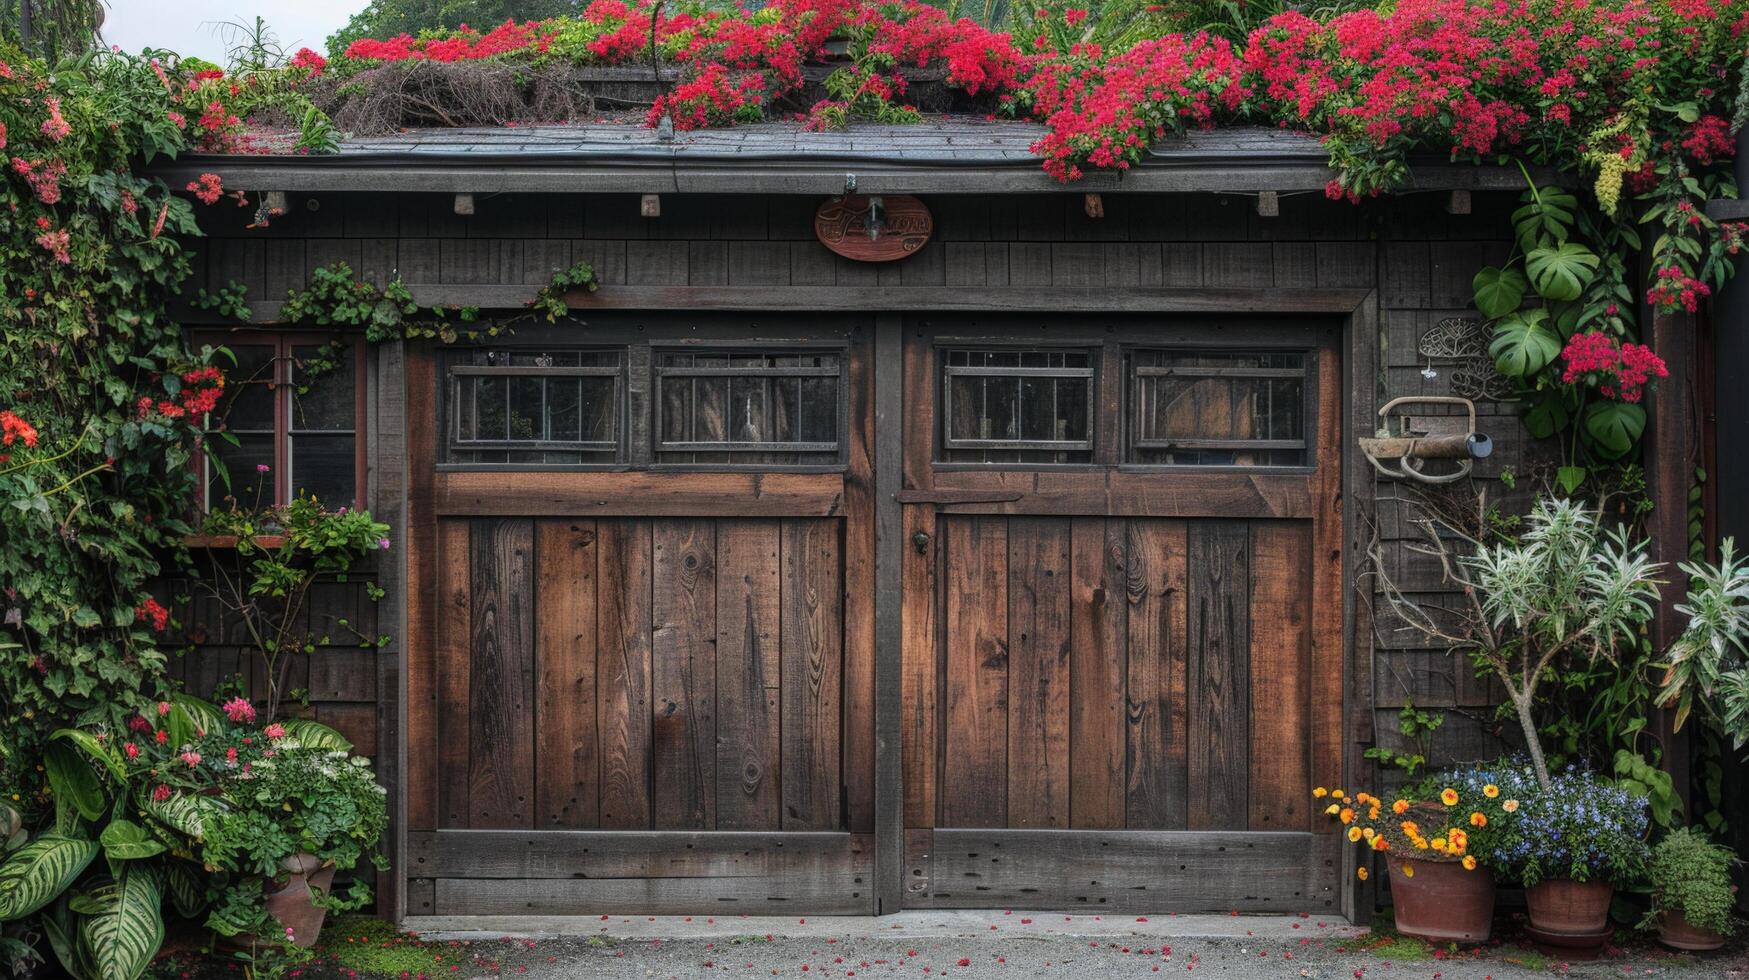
325	467
1017	405
248	401
249	487
1226	408
748	407
534	406
330	399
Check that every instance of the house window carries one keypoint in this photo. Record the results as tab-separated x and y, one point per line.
1224	408
535	406
1017	405
289	423
748	407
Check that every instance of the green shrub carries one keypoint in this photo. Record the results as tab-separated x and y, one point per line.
1692	876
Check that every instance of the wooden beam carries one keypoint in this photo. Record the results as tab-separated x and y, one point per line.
1268	204
595	493
889	413
1123	870
984	300
1672	451
533	854
1093	205
464	204
650	206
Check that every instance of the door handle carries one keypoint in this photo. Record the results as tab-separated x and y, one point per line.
920	541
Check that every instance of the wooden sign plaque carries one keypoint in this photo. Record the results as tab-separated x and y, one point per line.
904	226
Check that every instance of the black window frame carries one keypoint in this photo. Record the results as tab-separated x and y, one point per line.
945	442
1130	420
840	404
452	371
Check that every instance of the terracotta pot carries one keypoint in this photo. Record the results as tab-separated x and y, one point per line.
1676	932
1570	908
291	902
1442	902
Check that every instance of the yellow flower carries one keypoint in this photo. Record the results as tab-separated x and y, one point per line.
1333	809
1400	807
1372	812
1380	844
1469	862
1367	833
1410	827
1490	791
1408	870
1360	873
1510	806
1320	792
1354	834
1478	819
1346	816
1439	843
1361	798
1448	796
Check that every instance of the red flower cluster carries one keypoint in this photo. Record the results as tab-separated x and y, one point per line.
151	611
201	390
1675	288
1619	371
43	176
55	127
14	429
207	188
466	44
309	60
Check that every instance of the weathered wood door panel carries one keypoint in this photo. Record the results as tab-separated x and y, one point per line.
1124	673
634	674
641	652
1120	678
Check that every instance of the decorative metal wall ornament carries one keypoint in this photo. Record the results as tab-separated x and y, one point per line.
873	229
1465	341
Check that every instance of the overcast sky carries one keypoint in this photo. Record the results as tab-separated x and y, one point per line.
187	26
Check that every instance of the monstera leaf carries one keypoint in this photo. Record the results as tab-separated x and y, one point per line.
1523	344
126	925
1547	216
37	873
1547	415
315	735
1498	291
1561	272
1614	427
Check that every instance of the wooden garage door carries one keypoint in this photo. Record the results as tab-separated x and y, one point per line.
642	646
1121	615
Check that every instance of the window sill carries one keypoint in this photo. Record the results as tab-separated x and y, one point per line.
221	542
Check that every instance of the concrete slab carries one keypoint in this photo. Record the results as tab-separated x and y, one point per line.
904	925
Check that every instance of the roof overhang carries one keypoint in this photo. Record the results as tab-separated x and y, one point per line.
941	157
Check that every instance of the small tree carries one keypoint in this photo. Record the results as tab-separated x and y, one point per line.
1566	588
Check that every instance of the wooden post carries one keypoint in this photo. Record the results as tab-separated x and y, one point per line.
889	871
1672	451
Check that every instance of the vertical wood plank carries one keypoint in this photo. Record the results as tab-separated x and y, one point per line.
1096	674
1281	668
811	640
748	675
1330	668
427	596
921	697
501	688
1038	672
1219	732
862	514
1157	781
568	779
975	746
454	646
683	647
623	672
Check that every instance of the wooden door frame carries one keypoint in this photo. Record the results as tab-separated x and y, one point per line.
1342	483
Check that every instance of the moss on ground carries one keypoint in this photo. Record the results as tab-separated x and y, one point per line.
375	948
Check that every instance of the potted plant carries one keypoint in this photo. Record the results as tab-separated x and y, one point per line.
1692	893
1430	838
299	808
1570	845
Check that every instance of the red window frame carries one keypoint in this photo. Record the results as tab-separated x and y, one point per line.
284	343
